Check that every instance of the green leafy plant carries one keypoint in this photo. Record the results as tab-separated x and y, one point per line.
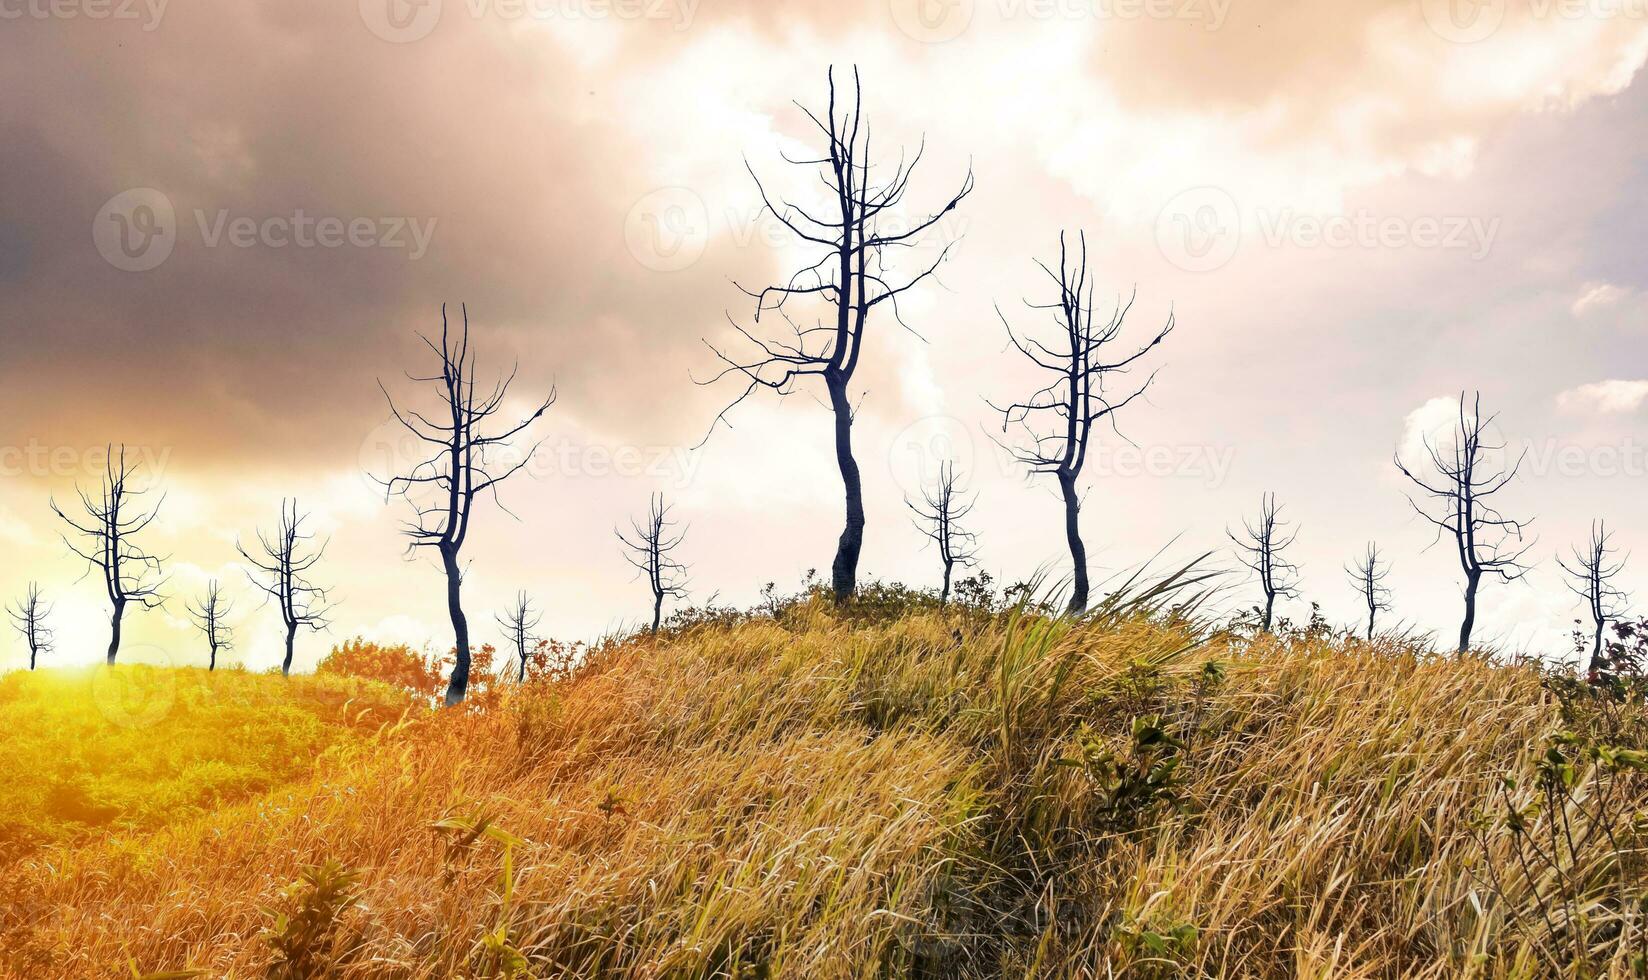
308	935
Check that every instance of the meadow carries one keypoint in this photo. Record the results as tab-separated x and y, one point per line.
813	792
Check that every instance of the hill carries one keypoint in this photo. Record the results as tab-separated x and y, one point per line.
924	794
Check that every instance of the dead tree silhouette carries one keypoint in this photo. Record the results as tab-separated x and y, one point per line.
650	551
113	520
1593	572
287	559
1488	543
1368	574
852	276
463	463
1260	548
939	518
209	615
518	622
1076	399
28	617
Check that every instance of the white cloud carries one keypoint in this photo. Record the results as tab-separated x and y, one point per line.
1597	295
1611	397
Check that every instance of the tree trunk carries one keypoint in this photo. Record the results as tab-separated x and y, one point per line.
291	636
1078	551
459	685
844	570
657	612
33	653
211	664
944	594
521	678
1270	609
114	631
1370	624
1472	580
1596	651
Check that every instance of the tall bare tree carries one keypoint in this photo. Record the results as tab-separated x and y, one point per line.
1368	574
286	558
209	615
518	622
1058	419
466	459
650	547
1469	472
944	506
1593	571
1260	547
851	238
28	617
108	531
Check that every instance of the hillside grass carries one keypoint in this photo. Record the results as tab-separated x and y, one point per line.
934	794
98	750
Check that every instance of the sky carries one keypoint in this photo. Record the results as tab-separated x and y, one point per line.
223	224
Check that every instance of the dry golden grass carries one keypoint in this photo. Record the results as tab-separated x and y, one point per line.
822	798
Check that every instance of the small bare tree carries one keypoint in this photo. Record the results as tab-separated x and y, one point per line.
518	622
1368	575
286	558
852	275
1593	572
113	520
28	617
209	615
649	548
1467	477
1260	548
939	517
465	461
1058	419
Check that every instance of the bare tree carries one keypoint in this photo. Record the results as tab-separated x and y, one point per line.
1593	571
286	558
1260	548
209	615
113	520
518	622
1368	575
649	548
28	617
939	517
1058	419
855	238
1466	479
465	461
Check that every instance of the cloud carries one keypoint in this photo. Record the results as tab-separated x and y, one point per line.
1611	397
1598	295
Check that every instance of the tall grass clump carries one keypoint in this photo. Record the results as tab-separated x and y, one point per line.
821	792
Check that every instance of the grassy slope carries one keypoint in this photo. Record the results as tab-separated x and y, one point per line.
89	750
820	799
